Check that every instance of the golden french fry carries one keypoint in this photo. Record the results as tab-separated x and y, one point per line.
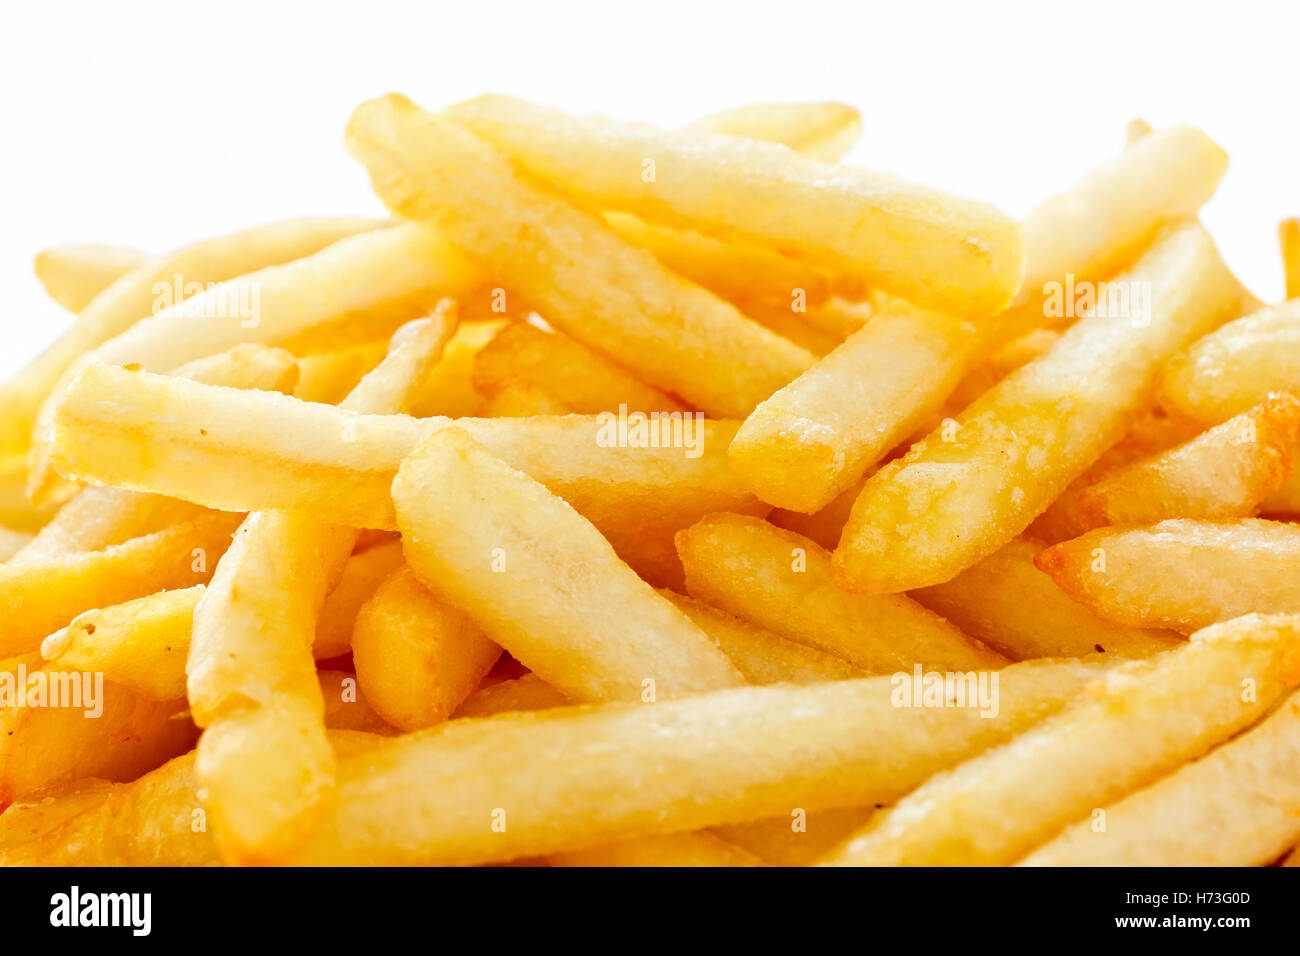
363	573
1185	574
74	275
1135	724
965	490
1236	367
1286	499
417	659
248	451
944	253
382	278
1012	606
1239	805
825	131
542	582
328	377
1288	238
781	581
587	281
41	812
448	389
581	380
671	849
815	438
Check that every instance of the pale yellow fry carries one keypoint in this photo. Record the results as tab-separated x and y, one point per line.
1236	367
1133	725
1288	238
781	581
965	490
587	281
945	253
97	517
579	777
1239	805
671	849
817	437
1185	574
74	275
582	380
241	450
417	658
825	131
1011	605
381	278
542	582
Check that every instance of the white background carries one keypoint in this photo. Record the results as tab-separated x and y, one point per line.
153	124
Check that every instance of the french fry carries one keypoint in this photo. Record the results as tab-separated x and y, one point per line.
448	390
12	542
825	131
539	580
1286	499
1288	238
781	581
248	451
671	849
1122	733
581	380
41	596
15	510
588	282
520	399
1236	367
417	659
74	275
965	490
382	278
529	692
264	760
1015	608
1184	574
363	573
41	812
1225	472
815	438
328	377
798	838
948	254
1239	805
572	778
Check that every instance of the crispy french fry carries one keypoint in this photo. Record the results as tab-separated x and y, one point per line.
1122	733
417	658
15	510
581	380
825	131
41	812
700	848
781	581
815	438
1012	606
1288	238
247	451
590	283
381	279
579	777
41	596
1236	367
1184	574
1239	805
539	580
96	518
949	254
964	491
74	275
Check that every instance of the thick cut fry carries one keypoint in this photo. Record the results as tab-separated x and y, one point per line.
380	279
1230	370
781	581
825	131
671	849
41	596
949	254
817	437
1184	574
41	812
1225	472
1288	238
965	490
542	582
246	451
580	379
1120	734
572	778
1012	606
417	658
1237	806
586	280
96	518
73	275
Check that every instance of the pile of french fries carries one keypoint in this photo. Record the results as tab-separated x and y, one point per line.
646	497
